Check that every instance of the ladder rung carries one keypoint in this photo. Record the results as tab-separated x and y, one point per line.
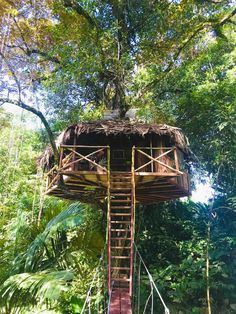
121	247
120	181
120	214
123	230
123	178
121	268
119	189
121	207
120	185
120	279
122	238
121	194
117	173
120	257
120	222
120	201
121	173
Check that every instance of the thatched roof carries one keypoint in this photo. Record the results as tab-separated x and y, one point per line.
118	127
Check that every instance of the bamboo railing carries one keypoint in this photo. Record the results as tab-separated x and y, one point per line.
156	159
79	158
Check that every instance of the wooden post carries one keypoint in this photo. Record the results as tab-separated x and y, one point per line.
160	168
108	235
176	159
61	156
151	151
73	158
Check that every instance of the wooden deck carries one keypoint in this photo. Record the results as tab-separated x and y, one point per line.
84	172
150	187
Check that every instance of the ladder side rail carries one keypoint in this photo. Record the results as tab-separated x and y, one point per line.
108	240
132	219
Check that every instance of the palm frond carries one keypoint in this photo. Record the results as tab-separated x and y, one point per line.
69	241
29	289
48	244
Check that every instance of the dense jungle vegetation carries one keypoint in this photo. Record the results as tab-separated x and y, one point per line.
64	61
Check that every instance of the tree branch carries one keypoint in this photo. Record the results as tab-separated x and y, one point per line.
72	4
39	114
22	35
227	18
29	52
22	105
208	24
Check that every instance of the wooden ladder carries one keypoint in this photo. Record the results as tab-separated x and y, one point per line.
120	242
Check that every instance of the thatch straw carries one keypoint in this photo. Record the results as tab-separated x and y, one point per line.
117	127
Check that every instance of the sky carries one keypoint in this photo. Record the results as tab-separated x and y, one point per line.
32	121
202	193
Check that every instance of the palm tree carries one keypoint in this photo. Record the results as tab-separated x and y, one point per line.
58	265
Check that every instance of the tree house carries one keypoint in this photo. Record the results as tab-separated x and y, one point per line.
119	164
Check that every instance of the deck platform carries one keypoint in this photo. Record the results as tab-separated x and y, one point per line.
84	173
150	187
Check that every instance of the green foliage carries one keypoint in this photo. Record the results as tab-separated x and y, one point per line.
175	61
48	265
200	95
173	241
35	288
4	119
61	253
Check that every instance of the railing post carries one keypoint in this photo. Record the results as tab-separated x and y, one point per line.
74	156
61	156
176	159
108	233
151	154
